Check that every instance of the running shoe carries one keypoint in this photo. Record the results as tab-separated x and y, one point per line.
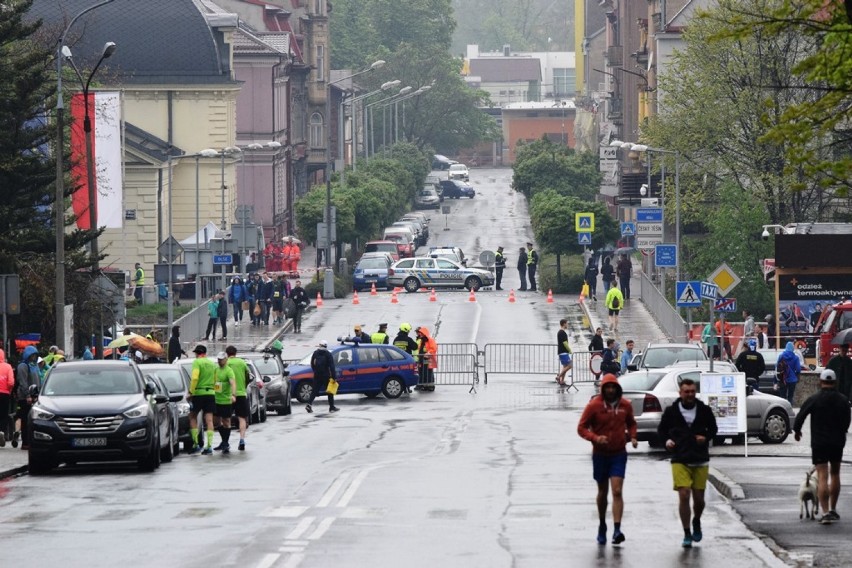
195	450
308	408
826	519
242	446
618	537
2	439
602	535
834	516
207	451
15	437
697	535
219	447
333	409
687	542
226	449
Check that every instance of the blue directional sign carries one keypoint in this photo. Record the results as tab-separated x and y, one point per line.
628	229
649	214
665	256
687	294
226	259
725	305
584	238
709	291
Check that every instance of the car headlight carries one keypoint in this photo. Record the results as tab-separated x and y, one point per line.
39	413
137	411
183	409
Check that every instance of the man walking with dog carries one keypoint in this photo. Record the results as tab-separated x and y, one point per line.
688	426
607	422
830	417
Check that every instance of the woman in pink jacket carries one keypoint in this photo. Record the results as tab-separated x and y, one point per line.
7	383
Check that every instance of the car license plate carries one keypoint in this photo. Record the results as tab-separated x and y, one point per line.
370	280
88	442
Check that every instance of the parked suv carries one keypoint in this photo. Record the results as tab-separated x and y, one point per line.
97	411
383	246
274	374
459	171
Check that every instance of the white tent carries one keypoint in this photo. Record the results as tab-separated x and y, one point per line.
208	233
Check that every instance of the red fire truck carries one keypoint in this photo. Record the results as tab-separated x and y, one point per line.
834	319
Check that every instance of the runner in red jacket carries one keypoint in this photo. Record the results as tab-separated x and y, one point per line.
7	383
607	422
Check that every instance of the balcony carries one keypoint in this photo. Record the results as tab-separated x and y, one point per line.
615	56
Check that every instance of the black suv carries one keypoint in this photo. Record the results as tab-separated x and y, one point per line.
99	411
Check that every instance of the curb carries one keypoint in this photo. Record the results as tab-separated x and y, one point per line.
725	485
14	471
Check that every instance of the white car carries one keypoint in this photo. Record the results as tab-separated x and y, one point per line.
459	171
415	273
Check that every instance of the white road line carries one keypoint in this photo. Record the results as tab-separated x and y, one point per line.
291	549
324	525
353	487
295	542
268	560
335	487
475	329
301	528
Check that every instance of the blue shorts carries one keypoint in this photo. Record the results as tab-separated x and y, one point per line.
604	467
565	359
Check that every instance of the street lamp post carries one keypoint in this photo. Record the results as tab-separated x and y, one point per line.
384	87
108	50
398	97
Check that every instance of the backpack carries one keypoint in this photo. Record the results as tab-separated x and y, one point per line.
781	369
615	303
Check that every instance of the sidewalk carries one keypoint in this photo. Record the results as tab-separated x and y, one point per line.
13	461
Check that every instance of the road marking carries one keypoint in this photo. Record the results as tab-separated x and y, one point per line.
322	528
285	512
335	487
300	529
353	487
268	560
291	549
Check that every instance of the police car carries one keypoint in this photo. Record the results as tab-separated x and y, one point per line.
366	369
417	272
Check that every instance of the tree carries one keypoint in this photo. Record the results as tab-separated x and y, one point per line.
722	98
815	131
553	221
545	165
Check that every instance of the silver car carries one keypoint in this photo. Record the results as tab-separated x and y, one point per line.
415	273
650	391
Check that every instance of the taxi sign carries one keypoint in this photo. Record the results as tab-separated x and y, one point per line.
584	222
725	278
709	291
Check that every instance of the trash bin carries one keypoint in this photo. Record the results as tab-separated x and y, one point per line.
149	295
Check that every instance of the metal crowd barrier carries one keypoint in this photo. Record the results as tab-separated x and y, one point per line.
534	359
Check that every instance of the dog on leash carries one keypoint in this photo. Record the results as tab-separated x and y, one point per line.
808	493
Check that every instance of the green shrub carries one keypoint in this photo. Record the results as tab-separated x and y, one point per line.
342	285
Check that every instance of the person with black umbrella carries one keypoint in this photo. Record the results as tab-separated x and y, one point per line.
841	364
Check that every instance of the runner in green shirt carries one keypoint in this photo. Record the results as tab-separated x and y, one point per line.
241	406
201	398
225	388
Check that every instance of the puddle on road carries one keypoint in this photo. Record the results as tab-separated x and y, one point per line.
198	512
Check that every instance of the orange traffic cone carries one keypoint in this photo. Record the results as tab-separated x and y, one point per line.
319	300
373	290
432	296
511	296
394	299
472	297
549	296
355	300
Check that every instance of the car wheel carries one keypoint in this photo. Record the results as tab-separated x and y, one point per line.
411	284
38	465
393	387
304	390
263	413
288	406
473	283
775	428
167	454
152	460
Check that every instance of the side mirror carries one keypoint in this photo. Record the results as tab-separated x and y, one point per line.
150	387
32	391
749	390
632	367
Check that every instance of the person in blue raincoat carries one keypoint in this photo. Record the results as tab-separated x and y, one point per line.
787	371
237	294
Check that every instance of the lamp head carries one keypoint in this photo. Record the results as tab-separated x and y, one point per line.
643	189
66	52
616	143
424	88
109	49
405	90
390	84
208	153
273	144
638	147
378	64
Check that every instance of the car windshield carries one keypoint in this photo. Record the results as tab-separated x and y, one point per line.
172	378
659	357
268	365
640	381
372	263
87	382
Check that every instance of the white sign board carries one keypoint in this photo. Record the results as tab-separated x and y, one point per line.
649	228
725	394
648	243
608	153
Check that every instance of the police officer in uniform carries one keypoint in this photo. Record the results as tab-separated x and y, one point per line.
522	268
532	263
404	342
381	336
499	265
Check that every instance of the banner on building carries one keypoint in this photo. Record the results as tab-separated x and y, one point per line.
105	136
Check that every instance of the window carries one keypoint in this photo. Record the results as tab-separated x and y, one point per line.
317	131
320	63
319	7
408	263
424	263
564	82
446	265
368	355
391	355
343	357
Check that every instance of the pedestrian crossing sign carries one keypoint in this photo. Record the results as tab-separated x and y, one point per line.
584	222
628	229
686	294
584	239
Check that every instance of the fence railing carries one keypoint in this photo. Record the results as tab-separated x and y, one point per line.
534	359
662	311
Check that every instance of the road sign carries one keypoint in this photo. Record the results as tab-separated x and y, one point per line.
649	202
665	256
628	229
225	259
584	222
170	249
584	238
686	294
653	214
649	228
487	258
709	291
725	278
648	243
725	305
608	153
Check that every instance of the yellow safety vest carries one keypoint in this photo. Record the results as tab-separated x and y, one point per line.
530	258
140	277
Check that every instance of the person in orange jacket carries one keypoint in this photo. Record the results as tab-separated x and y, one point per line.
726	337
295	257
269	257
427	359
607	422
286	251
7	383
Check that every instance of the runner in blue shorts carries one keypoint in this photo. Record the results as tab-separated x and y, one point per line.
564	351
606	422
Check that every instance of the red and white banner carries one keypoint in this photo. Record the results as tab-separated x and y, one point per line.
105	136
